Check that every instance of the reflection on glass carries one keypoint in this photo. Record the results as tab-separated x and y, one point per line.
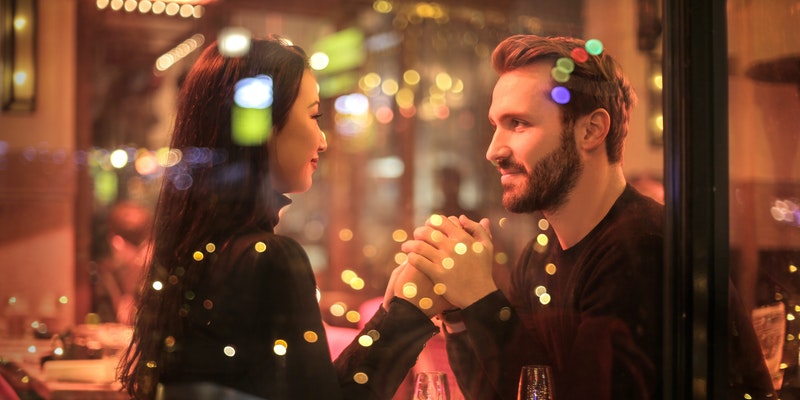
764	113
535	383
431	385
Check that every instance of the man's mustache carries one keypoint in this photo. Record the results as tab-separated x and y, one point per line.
508	163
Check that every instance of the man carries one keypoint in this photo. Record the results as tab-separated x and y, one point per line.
588	301
595	319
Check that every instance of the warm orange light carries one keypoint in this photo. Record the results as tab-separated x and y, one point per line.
193	2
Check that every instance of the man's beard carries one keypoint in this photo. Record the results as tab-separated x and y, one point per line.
551	181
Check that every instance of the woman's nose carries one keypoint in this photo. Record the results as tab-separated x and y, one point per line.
323	144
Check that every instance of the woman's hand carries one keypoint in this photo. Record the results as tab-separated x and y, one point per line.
456	254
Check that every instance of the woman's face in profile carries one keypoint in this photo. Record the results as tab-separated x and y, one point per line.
294	150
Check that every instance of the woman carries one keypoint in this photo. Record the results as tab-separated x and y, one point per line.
226	301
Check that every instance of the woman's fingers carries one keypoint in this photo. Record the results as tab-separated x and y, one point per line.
387	296
422	256
480	231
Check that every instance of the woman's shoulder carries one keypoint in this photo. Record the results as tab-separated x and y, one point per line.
249	261
264	243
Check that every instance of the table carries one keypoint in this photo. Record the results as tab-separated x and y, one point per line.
20	365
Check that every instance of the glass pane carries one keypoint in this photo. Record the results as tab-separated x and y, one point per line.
764	121
405	98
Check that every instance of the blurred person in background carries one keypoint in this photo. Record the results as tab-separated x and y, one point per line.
117	277
449	181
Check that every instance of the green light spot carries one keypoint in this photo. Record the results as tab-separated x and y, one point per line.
559	75
594	47
251	126
566	64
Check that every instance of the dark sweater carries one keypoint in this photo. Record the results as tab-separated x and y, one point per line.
253	323
598	325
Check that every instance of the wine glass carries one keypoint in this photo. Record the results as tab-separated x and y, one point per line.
535	383
431	385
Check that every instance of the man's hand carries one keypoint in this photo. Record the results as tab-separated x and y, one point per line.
456	254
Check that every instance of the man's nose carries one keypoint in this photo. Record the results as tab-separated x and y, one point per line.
496	150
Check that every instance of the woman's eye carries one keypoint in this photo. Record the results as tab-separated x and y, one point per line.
316	116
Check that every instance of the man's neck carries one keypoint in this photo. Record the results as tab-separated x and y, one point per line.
587	203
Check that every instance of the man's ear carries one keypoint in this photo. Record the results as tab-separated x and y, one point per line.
595	129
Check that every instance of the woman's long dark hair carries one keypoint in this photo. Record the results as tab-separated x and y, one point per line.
217	188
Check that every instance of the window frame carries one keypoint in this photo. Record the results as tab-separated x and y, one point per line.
696	188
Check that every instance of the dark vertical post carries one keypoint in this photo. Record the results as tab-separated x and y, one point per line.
696	171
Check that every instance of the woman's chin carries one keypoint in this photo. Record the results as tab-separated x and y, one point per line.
301	188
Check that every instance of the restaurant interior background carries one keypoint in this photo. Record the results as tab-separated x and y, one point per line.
87	125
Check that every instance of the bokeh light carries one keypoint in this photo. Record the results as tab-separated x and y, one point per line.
382	6
119	158
399	235
280	347
318	61
251	121
365	340
310	336
594	47
579	54
448	263
550	268
560	95
360	378
234	42
411	77
439	288
409	290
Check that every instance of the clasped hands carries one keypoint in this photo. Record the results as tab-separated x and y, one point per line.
449	265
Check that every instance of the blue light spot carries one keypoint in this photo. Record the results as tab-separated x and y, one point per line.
254	92
560	95
251	115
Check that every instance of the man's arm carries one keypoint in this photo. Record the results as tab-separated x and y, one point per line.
464	361
487	346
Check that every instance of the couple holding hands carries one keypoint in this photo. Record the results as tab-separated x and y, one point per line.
235	304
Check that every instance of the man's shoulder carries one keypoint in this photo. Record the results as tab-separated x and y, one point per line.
634	225
639	212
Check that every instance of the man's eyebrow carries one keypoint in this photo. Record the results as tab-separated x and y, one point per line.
507	116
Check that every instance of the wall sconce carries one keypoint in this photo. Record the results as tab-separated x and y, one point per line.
18	49
655	110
